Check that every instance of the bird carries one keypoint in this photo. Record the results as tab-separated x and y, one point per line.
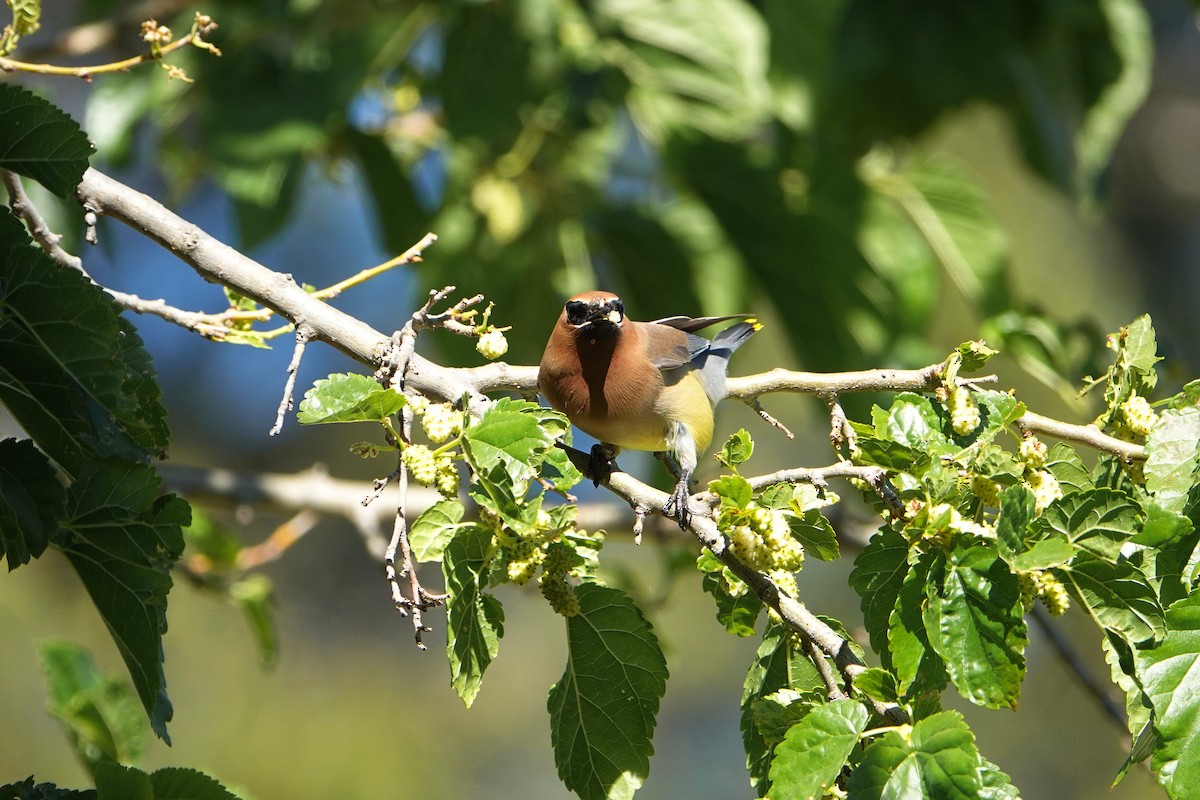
639	385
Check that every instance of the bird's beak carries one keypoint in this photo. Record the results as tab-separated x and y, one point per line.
614	317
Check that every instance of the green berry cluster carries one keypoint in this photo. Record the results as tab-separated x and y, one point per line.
964	411
422	464
1044	586
1137	415
558	592
549	547
762	538
441	421
1044	486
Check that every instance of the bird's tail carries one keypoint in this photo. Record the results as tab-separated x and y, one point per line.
734	336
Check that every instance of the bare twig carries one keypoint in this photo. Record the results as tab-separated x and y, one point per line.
818	659
201	28
767	418
278	542
1088	435
303	335
24	208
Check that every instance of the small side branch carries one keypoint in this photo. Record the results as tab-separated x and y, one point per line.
24	208
303	335
1088	435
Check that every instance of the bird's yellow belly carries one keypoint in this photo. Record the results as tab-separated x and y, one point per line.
684	402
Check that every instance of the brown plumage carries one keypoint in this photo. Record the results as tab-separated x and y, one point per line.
639	385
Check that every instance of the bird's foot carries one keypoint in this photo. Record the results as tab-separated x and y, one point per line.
600	464
676	506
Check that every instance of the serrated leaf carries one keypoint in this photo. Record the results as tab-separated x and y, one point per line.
1098	521
975	621
348	397
1117	595
181	783
998	410
975	354
124	541
937	759
1139	349
603	709
1172	455
102	718
878	684
474	618
1068	469
1170	676
27	790
737	614
433	530
917	665
776	497
558	469
734	490
72	372
816	534
911	420
813	753
1023	545
40	141
891	455
31	502
509	435
994	783
776	666
737	449
878	573
118	782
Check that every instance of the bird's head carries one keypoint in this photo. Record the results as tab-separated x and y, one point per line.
594	311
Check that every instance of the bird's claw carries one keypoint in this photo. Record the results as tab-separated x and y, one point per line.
600	464
676	506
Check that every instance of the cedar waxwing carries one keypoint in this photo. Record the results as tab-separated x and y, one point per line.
640	385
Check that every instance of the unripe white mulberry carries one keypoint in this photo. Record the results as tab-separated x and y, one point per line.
492	344
964	413
447	477
421	464
1033	451
1045	489
1139	416
441	422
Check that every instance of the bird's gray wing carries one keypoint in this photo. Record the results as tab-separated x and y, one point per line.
690	324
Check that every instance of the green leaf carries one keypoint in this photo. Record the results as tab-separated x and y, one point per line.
734	490
917	666
911	420
102	718
72	372
602	710
474	618
998	411
961	232
770	671
936	760
816	534
26	790
40	141
975	621
1170	675
558	469
878	684
118	782
1172	455
433	530
1023	545
974	355
509	435
1068	469
812	755
124	540
737	449
1117	596
255	596
1098	521
31	502
878	573
348	398
703	71
737	614
994	783
180	783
